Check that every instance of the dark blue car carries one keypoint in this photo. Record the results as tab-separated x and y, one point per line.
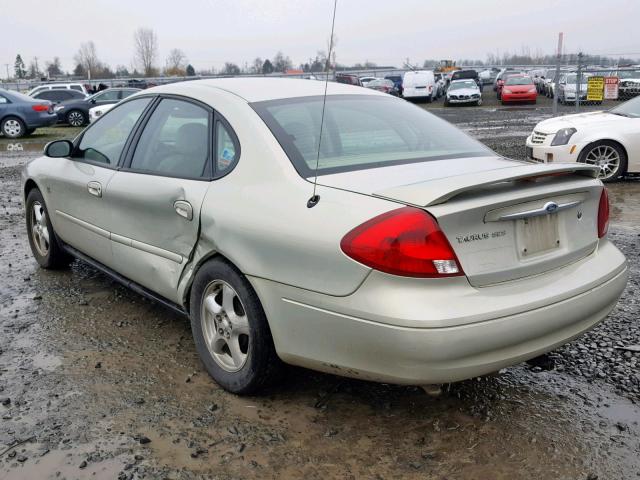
20	115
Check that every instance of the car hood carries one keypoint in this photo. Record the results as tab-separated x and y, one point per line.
433	182
518	88
463	91
590	119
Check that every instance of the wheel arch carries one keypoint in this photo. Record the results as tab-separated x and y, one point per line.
29	185
606	139
13	115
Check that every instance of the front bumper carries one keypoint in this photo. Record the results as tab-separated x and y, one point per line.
545	153
423	331
518	97
463	100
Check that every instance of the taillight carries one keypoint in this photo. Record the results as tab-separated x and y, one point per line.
603	213
406	241
40	108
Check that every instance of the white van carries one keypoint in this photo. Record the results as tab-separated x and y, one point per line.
419	84
57	86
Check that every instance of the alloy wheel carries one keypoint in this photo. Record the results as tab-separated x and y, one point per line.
40	229
75	119
606	158
225	326
12	128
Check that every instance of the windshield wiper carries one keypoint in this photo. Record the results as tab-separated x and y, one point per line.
619	113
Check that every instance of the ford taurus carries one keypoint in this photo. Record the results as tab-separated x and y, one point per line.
422	257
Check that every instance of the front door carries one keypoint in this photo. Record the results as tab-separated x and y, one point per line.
76	185
156	199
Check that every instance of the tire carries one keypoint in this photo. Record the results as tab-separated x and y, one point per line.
219	326
42	239
76	118
478	103
30	131
13	127
605	149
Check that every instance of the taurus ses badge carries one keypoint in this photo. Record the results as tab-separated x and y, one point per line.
551	207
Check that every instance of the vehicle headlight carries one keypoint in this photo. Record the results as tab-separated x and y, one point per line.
532	90
506	90
563	136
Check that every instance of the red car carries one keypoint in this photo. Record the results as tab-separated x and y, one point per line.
518	88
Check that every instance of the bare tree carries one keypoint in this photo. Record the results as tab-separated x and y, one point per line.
54	67
256	67
145	44
176	62
87	58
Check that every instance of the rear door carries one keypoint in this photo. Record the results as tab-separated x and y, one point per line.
76	185
155	199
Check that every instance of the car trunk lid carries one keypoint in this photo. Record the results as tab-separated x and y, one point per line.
509	222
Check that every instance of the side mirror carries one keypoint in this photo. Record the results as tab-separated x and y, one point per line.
93	100
58	149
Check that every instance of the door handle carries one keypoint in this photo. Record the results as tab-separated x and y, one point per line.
184	209
95	189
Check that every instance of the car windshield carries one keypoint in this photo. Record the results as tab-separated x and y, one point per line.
629	74
361	132
628	109
465	84
19	96
518	81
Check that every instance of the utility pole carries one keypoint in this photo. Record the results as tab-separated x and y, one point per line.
35	59
556	77
578	81
6	65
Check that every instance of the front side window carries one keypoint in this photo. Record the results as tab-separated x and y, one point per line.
361	132
175	141
103	142
128	93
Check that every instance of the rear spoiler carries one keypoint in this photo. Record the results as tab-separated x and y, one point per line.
434	192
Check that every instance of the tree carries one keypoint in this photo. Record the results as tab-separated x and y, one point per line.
256	66
79	71
281	63
19	67
175	62
191	72
122	71
145	45
231	69
34	70
87	58
267	67
54	67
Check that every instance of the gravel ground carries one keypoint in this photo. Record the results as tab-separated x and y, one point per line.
97	382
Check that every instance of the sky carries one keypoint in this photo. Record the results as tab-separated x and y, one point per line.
212	32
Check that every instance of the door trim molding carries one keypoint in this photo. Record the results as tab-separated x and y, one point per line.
129	242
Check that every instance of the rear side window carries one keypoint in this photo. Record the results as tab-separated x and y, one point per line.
226	149
103	141
175	141
76	87
3	100
361	132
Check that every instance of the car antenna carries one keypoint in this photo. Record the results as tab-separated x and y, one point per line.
315	198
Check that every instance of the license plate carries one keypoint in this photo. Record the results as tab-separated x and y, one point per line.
538	234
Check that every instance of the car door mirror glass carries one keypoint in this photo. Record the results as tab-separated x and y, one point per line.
58	149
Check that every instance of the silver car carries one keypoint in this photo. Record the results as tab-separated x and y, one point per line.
420	257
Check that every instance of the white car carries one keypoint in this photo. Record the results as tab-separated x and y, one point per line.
463	91
420	256
609	140
567	88
97	112
420	84
58	86
365	80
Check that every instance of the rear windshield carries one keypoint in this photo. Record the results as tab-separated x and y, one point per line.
361	132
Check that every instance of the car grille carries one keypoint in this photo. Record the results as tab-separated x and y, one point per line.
460	97
538	137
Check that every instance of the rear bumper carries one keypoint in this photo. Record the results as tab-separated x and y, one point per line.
410	331
41	120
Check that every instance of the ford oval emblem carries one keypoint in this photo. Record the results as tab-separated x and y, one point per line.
551	207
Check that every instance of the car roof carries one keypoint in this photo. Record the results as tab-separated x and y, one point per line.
257	89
